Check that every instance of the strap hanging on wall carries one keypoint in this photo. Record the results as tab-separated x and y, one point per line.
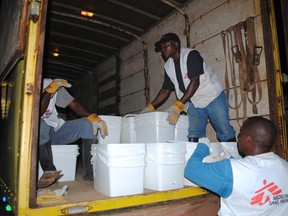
240	48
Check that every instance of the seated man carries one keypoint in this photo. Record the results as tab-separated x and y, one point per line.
54	130
254	185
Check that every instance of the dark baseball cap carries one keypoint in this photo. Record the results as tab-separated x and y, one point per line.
164	39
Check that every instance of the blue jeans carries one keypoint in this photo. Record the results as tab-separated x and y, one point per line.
218	113
69	132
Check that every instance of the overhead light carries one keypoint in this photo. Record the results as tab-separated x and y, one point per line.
87	14
55	54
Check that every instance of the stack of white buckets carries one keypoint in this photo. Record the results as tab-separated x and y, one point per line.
141	151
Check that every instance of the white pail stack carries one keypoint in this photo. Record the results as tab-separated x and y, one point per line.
181	128
114	129
65	159
119	169
165	166
153	127
190	148
128	129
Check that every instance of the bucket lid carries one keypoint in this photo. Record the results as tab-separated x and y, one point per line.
65	147
113	150
154	114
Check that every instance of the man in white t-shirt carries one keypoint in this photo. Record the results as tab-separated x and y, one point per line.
54	130
255	185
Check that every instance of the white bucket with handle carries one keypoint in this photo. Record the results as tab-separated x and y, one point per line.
181	128
128	129
232	148
165	166
114	129
153	127
118	169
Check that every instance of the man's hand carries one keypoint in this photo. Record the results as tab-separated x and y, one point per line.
98	123
174	112
216	152
56	84
148	108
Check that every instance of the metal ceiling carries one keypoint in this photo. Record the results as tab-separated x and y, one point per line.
84	42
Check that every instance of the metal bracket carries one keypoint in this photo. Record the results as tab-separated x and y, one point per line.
256	56
35	10
236	53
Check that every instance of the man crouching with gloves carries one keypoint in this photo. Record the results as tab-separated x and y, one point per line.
54	130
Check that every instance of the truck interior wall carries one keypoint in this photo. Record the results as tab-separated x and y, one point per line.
87	95
207	19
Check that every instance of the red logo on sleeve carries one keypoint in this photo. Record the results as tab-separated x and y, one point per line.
264	194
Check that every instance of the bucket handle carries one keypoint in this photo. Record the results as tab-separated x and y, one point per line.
129	115
93	159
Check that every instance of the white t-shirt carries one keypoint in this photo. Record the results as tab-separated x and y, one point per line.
60	98
260	187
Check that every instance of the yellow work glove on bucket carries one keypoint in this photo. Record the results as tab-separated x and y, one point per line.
174	112
148	108
98	123
56	84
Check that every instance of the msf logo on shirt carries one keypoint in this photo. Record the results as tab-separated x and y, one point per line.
185	75
269	193
47	113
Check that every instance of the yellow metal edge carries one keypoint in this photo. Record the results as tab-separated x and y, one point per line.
27	116
278	84
118	202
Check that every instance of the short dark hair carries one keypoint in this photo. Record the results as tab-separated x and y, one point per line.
265	137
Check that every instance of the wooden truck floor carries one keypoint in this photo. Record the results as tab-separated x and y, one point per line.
175	202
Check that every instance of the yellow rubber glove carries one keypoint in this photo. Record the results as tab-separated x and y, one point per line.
98	123
174	112
148	108
56	84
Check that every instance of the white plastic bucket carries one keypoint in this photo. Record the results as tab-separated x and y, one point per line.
65	159
94	158
165	166
181	128
232	148
119	169
190	148
153	127
114	129
128	129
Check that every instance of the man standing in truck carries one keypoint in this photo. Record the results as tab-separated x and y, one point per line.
54	130
198	91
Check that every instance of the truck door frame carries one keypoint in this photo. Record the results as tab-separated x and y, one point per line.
273	71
